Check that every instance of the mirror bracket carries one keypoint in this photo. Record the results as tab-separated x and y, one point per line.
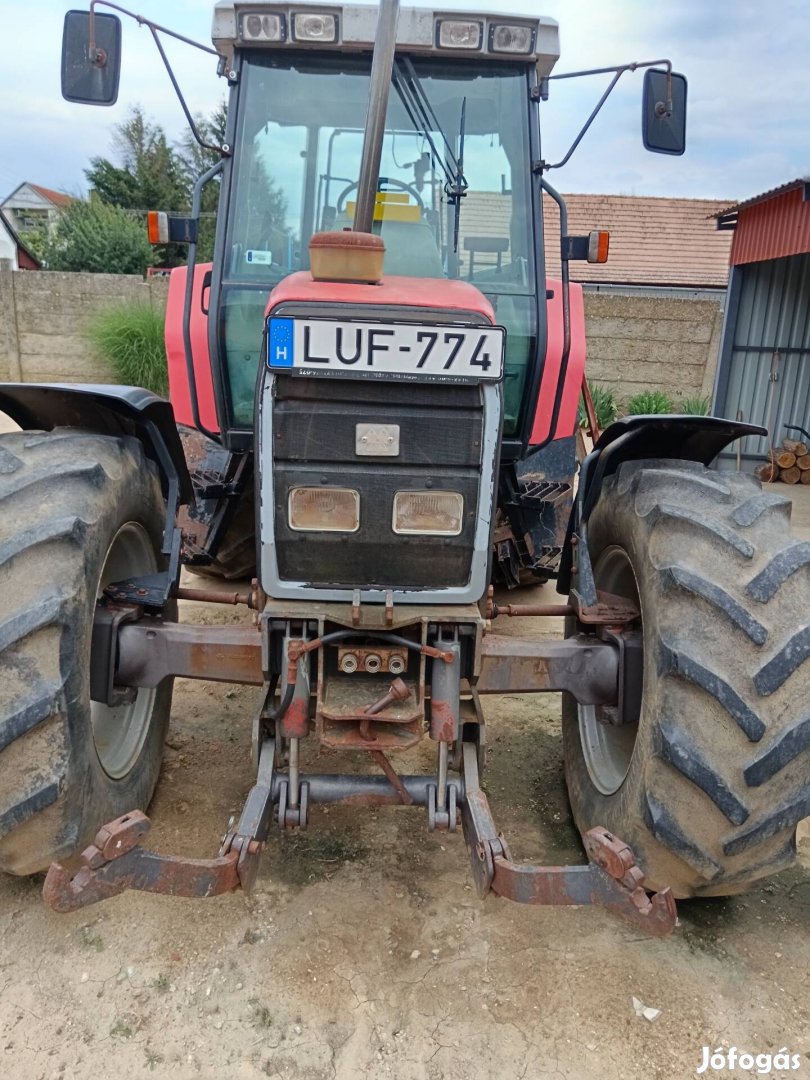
617	71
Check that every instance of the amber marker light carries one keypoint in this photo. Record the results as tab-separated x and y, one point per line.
157	227
598	245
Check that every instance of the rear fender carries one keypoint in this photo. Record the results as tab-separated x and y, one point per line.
106	410
637	438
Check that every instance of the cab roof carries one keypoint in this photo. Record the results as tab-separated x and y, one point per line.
417	29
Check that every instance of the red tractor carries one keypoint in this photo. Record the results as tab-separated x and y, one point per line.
387	371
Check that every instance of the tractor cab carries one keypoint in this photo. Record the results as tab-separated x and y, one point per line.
456	197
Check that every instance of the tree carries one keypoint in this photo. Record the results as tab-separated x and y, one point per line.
195	160
97	238
151	176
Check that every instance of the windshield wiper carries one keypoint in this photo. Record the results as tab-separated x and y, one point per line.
458	194
423	117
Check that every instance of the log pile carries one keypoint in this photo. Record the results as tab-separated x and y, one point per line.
789	464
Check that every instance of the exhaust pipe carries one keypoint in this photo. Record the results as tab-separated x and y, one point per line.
382	65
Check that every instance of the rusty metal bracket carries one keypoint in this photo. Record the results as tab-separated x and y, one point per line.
115	862
611	879
609	610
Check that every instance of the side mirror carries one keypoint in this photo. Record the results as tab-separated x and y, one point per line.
663	112
91	68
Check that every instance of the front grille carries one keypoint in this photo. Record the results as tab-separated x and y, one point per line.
440	446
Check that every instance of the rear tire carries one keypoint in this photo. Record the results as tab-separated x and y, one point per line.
710	785
78	511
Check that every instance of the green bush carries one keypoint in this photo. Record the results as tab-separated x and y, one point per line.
697	405
94	238
604	404
130	339
650	401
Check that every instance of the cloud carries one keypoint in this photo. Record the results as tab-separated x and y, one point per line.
749	84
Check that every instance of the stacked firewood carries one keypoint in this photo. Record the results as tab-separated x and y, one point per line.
789	463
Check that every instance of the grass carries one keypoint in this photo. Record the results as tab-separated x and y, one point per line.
130	339
648	402
697	405
262	1016
605	406
122	1030
90	939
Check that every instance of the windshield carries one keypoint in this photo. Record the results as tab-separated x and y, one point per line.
296	167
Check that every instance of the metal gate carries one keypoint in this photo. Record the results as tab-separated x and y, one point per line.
764	370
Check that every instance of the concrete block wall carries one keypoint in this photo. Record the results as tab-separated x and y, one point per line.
634	342
640	343
43	320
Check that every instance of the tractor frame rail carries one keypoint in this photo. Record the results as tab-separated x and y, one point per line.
116	861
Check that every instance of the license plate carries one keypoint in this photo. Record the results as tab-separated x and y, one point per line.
410	351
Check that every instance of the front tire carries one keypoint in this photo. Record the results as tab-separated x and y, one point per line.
78	512
709	785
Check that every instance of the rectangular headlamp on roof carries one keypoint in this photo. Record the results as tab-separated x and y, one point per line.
458	33
315	26
511	38
264	27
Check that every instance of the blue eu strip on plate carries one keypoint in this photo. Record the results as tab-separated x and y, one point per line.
280	350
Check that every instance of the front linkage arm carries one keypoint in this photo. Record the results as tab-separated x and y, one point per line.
116	862
610	879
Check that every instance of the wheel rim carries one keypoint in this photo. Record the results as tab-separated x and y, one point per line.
608	747
120	731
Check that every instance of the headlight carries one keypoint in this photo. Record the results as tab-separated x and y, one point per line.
428	513
264	28
323	509
455	34
511	39
309	27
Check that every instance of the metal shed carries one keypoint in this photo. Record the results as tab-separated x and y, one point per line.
763	374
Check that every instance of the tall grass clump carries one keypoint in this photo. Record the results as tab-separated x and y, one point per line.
698	405
604	405
650	401
130	338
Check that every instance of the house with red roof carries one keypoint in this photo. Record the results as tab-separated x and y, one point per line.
31	207
13	252
655	243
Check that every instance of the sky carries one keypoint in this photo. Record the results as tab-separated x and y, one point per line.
748	125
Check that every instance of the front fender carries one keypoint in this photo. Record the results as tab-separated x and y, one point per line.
635	438
106	410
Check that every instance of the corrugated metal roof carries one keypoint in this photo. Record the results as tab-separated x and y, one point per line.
653	241
772	230
771	194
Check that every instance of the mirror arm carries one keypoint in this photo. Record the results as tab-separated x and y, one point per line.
143	21
618	71
154	28
224	150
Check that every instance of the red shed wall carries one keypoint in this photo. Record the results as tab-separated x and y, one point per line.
772	229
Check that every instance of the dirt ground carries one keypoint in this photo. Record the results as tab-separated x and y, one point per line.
364	951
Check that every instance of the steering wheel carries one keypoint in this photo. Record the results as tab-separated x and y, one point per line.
399	185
